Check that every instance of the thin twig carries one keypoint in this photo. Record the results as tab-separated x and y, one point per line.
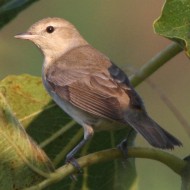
172	107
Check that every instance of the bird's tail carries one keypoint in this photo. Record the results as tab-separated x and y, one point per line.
150	130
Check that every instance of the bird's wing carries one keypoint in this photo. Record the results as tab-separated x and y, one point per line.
94	92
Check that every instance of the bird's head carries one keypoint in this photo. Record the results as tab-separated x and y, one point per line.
54	36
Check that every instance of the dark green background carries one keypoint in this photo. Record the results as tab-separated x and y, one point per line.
123	31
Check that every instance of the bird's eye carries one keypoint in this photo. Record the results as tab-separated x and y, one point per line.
50	29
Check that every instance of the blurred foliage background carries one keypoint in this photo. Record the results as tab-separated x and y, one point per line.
123	31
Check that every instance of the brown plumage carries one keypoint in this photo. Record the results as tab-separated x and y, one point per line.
89	87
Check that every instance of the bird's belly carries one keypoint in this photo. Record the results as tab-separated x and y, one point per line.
78	115
83	117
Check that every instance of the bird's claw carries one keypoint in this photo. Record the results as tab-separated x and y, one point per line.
76	166
123	147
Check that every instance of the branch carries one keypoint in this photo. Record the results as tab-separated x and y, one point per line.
173	162
155	63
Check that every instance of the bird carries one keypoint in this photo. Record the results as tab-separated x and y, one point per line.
89	87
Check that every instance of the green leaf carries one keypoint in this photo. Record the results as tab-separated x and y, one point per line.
43	120
174	22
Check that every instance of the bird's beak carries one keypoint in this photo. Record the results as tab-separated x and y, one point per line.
25	36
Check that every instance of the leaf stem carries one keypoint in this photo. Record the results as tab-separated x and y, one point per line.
155	63
176	164
57	134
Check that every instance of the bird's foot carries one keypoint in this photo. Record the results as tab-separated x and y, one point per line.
123	147
72	160
70	157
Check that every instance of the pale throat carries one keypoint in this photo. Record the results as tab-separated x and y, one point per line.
55	51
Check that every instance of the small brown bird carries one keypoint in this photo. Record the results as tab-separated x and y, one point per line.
89	87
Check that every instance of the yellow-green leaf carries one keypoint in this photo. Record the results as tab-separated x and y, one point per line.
22	162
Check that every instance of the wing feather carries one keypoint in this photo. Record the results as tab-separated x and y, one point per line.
95	94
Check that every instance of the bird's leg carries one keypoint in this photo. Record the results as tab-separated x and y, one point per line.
88	133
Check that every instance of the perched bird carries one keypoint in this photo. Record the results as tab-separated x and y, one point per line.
89	87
